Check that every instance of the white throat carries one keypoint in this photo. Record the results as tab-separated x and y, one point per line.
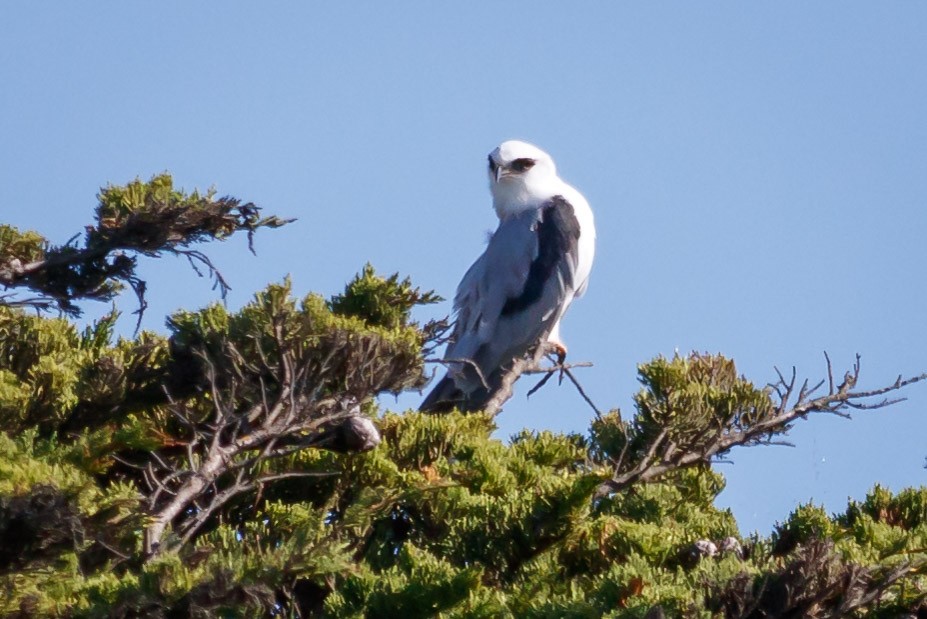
512	197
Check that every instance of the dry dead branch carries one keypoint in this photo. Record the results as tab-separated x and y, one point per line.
794	401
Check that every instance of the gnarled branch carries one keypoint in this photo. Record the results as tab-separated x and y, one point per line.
661	455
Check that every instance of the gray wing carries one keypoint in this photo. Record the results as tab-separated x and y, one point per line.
516	291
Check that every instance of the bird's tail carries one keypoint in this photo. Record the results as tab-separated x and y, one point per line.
443	398
446	396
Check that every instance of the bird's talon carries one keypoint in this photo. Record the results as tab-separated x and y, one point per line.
558	350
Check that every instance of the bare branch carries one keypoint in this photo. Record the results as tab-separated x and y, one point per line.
582	391
830	374
532	365
660	459
225	455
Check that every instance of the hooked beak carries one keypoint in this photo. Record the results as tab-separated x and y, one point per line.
495	169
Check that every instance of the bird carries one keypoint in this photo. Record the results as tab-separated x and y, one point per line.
516	293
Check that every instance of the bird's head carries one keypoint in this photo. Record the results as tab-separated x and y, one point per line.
521	176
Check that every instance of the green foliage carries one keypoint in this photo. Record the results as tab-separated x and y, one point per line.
51	375
805	524
441	519
418	584
907	509
137	218
143	208
383	302
687	396
345	354
22	247
57	523
40	366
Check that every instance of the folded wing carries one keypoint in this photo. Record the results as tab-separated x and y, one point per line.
508	301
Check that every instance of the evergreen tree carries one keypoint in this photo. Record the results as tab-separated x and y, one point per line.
238	465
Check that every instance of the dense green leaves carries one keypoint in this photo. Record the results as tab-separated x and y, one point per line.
440	518
688	397
384	302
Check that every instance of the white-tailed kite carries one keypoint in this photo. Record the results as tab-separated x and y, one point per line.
515	294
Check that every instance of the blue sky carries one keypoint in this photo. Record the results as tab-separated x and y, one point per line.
758	174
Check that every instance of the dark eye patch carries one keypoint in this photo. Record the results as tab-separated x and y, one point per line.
492	164
522	165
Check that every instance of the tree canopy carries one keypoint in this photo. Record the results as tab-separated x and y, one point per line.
239	463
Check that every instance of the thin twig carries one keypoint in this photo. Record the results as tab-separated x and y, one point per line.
661	459
582	392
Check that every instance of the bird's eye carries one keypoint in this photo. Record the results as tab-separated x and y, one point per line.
522	165
492	164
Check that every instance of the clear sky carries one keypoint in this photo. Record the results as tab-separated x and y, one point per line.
758	174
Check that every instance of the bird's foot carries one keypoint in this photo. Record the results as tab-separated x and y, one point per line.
557	350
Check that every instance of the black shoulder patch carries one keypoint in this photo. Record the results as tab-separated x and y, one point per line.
558	235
